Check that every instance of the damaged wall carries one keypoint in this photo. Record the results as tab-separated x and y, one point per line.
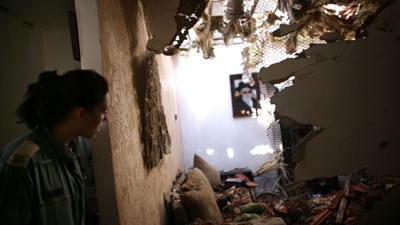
348	89
138	191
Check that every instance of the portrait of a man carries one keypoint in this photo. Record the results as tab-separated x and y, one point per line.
245	97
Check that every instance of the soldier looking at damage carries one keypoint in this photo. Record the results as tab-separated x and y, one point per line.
40	176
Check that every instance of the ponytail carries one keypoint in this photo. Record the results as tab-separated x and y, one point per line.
36	97
52	97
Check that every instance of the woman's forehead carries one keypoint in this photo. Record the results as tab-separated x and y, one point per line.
105	104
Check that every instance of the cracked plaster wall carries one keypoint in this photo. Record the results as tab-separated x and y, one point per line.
138	193
350	90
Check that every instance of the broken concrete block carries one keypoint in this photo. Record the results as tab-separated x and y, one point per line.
348	89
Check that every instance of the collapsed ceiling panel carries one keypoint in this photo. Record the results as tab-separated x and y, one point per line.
349	90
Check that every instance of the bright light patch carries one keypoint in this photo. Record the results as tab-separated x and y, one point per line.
210	151
342	11
284	17
285	84
261	150
229	152
202	102
267	114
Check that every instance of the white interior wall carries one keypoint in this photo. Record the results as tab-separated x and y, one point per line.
88	31
205	113
90	54
58	51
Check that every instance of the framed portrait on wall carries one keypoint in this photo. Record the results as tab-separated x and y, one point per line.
245	96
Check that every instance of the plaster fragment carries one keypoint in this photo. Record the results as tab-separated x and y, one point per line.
350	90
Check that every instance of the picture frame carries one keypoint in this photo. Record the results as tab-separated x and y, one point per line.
239	107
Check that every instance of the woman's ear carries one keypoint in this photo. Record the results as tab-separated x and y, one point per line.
78	113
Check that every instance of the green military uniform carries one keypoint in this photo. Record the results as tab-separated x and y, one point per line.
40	182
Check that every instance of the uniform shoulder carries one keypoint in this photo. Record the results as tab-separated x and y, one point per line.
23	153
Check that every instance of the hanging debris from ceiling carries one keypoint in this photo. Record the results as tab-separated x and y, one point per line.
322	19
234	9
235	22
187	16
204	34
292	20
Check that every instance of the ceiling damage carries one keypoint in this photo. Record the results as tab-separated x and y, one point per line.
348	91
343	87
287	24
258	22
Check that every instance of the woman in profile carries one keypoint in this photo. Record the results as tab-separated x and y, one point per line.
40	177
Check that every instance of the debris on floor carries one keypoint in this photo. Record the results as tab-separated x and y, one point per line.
337	200
343	204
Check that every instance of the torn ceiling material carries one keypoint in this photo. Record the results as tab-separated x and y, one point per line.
187	15
350	90
346	19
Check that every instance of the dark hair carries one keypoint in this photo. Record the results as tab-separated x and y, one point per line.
52	97
243	85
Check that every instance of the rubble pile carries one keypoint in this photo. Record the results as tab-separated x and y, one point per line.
338	200
342	204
